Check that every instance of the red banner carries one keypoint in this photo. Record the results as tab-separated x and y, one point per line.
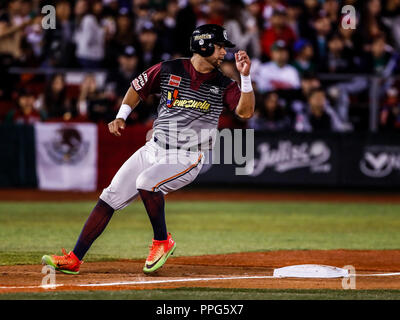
114	151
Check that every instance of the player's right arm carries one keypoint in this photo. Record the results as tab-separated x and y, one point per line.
145	84
130	101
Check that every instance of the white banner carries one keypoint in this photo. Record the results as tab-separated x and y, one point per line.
66	156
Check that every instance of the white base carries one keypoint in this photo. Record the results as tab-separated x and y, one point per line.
310	271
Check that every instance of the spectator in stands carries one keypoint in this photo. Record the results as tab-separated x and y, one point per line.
308	11
242	29
112	7
272	115
304	53
109	24
319	119
381	58
391	19
319	115
268	10
165	25
312	9
118	81
150	53
55	102
294	12
58	48
33	32
299	100
124	36
80	10
331	8
90	35
338	60
141	11
216	10
253	7
93	103
276	74
389	119
12	28
319	38
371	24
20	33
279	30
25	112
186	21
28	57
352	44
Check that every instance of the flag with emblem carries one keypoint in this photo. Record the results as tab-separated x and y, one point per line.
66	156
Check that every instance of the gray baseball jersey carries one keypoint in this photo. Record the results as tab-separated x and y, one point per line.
190	102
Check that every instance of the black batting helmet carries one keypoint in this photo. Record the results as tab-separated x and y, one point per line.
204	37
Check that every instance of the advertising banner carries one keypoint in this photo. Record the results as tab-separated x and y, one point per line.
281	159
360	160
371	160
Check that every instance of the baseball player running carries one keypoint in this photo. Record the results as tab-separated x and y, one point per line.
193	92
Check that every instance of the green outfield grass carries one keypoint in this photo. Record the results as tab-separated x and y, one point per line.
29	230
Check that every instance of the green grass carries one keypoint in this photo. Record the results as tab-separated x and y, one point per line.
210	294
29	230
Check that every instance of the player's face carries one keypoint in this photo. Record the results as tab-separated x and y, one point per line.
218	56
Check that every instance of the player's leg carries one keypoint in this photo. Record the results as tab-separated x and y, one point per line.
155	204
94	226
161	178
152	184
117	195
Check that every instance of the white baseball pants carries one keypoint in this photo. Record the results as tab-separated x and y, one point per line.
152	168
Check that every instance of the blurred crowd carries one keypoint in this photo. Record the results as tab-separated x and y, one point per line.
311	72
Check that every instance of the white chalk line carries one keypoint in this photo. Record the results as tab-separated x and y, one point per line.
375	275
173	280
124	283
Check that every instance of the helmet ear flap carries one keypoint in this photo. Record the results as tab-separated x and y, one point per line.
206	49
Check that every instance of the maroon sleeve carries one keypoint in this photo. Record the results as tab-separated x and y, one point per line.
232	96
148	82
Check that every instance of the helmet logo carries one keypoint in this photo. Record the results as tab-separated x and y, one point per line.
203	36
225	35
201	42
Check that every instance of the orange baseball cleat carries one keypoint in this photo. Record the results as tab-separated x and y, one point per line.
68	263
159	253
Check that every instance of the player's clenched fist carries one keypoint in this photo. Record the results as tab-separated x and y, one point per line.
115	125
243	62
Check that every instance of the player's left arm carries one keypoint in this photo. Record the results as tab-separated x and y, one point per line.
246	105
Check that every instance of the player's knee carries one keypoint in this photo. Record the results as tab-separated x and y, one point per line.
109	197
116	200
143	183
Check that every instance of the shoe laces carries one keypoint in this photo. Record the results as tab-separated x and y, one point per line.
64	259
154	248
68	258
66	255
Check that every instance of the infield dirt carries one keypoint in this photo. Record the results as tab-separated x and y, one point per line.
28	278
